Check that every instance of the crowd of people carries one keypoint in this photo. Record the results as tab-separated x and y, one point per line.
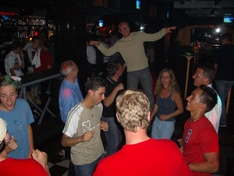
122	113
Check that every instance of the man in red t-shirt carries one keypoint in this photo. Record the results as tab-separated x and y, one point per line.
37	165
200	140
45	57
42	61
141	155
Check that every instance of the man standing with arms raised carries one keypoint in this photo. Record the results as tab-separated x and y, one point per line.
131	47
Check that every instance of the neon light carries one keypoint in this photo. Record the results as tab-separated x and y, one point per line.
138	4
8	13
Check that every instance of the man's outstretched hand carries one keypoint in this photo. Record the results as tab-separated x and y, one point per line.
169	29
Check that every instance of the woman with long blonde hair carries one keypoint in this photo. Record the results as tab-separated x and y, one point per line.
168	105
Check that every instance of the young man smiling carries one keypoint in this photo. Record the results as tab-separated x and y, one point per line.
200	141
18	115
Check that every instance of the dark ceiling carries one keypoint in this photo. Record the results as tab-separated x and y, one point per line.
206	7
190	7
201	7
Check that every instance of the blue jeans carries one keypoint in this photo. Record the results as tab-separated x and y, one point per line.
113	135
162	129
222	88
87	169
144	77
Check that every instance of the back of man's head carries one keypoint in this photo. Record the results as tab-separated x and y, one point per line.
94	84
43	34
208	97
132	107
112	68
227	36
208	71
47	44
16	44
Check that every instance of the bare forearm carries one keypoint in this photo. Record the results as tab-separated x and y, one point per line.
22	64
204	167
30	138
12	71
47	169
69	142
110	99
179	104
176	112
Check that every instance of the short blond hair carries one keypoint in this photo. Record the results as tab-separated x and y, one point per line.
132	107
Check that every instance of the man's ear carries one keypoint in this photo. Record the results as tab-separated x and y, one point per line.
207	81
117	116
203	106
90	92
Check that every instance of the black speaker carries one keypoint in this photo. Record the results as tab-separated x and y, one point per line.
230	166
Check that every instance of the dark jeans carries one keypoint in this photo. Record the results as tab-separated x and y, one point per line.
113	135
222	88
145	78
87	169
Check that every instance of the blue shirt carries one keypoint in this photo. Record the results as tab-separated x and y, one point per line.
17	125
69	96
165	106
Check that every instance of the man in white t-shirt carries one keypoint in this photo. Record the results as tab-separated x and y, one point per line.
204	75
14	63
14	60
91	59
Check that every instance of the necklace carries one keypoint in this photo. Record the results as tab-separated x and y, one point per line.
91	111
